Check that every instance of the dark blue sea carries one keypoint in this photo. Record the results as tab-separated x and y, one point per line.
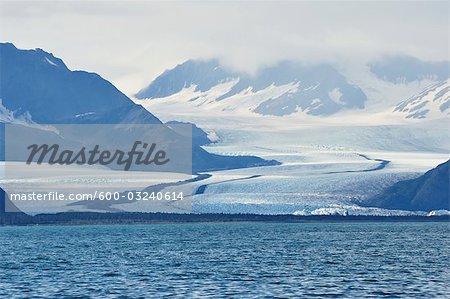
226	260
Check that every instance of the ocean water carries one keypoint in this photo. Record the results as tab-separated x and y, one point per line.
223	260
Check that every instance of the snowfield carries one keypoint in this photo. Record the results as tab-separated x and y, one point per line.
432	102
328	164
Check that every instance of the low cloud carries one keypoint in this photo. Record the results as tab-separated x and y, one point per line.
130	43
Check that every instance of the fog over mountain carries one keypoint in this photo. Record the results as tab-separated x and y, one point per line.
405	69
291	87
129	44
315	89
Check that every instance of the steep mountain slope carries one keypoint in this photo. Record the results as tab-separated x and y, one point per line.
36	82
279	90
36	87
425	193
432	102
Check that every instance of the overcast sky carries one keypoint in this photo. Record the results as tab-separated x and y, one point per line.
130	43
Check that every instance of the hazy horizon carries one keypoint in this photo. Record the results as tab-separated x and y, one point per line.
130	43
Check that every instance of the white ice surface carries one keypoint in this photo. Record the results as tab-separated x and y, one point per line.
322	167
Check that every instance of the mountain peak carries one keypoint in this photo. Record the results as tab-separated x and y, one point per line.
280	89
204	74
42	84
39	57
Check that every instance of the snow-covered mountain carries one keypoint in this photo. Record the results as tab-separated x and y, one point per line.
432	103
38	88
281	89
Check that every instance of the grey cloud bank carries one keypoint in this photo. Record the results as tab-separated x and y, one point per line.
130	43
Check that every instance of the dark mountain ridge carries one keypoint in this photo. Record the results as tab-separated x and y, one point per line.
38	84
425	193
